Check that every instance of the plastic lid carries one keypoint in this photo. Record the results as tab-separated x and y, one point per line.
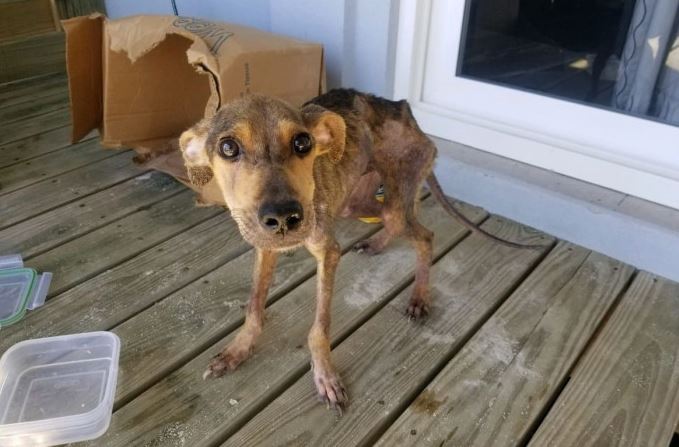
21	289
11	262
15	288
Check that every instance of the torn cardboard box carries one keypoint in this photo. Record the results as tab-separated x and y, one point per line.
142	80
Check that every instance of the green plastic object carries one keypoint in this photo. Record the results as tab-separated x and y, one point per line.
16	292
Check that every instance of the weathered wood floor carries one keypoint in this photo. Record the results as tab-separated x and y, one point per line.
563	347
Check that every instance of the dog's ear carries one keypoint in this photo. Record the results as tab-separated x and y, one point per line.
196	159
328	129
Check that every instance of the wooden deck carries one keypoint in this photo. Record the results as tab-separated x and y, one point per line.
562	347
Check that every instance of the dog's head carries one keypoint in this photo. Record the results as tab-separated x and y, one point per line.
261	152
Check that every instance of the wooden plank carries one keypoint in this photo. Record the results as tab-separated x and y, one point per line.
184	409
30	56
21	91
31	86
497	388
88	255
51	229
50	165
35	146
25	18
386	361
39	124
625	391
75	8
216	303
34	107
49	194
55	16
120	292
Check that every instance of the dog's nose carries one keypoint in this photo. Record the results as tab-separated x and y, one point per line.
281	217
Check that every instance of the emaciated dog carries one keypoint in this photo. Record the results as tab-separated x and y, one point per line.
288	174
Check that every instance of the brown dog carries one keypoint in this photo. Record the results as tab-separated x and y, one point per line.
287	174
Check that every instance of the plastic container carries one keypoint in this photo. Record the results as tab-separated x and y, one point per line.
11	262
58	390
21	289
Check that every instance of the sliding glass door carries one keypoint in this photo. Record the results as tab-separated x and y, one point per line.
587	88
619	55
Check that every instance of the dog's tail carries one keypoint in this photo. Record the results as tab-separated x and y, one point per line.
440	197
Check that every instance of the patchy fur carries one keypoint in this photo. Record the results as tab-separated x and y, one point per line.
282	198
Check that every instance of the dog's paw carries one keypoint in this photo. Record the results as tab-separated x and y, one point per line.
417	308
225	361
331	390
368	247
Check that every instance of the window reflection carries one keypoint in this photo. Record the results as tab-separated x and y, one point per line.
618	54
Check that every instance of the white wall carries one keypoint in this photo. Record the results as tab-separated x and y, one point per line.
121	8
369	45
251	13
358	36
317	21
255	13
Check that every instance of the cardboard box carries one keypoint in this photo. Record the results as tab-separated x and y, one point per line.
142	80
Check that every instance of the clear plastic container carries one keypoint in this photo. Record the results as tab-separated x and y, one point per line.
21	289
15	288
11	261
58	390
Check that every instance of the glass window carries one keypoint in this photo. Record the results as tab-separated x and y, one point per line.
619	54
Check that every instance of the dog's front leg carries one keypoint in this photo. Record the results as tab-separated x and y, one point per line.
326	379
241	347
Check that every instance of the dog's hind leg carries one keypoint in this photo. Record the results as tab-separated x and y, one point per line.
403	178
421	239
400	218
419	236
328	383
241	347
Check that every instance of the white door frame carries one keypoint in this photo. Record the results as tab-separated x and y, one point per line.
633	155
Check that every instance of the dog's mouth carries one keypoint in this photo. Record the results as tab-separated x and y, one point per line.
283	238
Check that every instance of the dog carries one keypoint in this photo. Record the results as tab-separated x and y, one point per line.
288	174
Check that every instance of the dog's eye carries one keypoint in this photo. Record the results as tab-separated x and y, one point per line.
301	143
228	148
